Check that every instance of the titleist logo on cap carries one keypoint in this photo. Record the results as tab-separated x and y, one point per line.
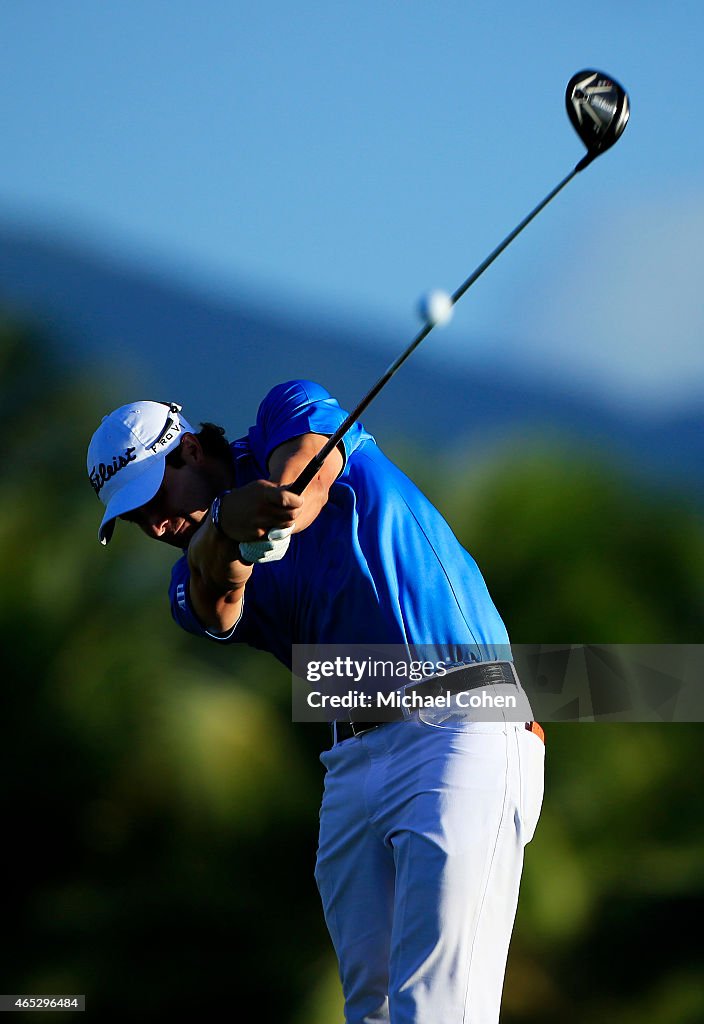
100	474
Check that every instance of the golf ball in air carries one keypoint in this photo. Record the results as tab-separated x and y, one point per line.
435	308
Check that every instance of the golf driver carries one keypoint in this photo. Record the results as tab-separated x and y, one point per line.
598	109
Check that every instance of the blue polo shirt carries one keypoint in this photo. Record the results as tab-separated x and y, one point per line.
379	565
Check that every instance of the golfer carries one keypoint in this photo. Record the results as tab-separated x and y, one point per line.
425	817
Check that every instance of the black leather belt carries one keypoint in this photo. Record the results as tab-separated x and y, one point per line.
456	680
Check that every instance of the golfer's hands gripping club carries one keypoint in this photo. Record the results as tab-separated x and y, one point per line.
260	516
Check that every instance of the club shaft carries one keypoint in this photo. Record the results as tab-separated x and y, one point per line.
307	474
509	238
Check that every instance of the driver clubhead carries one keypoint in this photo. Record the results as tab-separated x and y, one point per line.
598	109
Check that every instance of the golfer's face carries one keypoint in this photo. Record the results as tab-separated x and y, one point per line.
174	513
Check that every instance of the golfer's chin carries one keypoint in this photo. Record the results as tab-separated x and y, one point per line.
180	537
183	536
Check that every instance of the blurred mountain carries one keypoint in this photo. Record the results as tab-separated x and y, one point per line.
218	355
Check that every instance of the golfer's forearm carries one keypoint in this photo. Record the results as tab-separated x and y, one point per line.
218	613
290	459
218	578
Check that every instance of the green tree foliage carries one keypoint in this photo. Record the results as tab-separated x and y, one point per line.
160	809
578	549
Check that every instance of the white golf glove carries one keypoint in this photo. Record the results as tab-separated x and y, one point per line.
270	550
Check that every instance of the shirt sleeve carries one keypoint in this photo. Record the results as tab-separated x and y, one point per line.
182	609
295	408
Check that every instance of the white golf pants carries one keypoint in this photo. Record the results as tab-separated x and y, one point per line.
422	831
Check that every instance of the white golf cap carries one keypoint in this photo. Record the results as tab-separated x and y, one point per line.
127	456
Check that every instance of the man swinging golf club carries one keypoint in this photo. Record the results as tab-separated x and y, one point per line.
423	820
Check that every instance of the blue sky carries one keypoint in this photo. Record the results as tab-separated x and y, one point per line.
338	159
